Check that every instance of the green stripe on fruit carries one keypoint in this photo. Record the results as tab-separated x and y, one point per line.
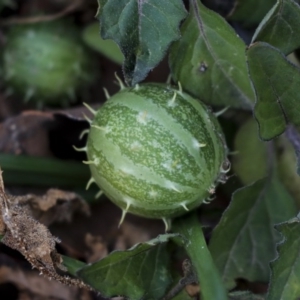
155	151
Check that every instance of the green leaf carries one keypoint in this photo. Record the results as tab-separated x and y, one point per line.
72	265
138	273
281	27
40	171
250	12
142	29
108	48
285	276
276	82
244	295
209	60
243	243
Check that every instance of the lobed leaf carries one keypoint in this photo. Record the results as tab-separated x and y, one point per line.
142	29
286	268
138	273
276	82
281	27
209	60
250	12
243	243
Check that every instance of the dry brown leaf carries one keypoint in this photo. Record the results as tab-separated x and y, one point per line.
76	113
32	239
28	133
54	206
193	289
18	134
32	286
129	235
97	248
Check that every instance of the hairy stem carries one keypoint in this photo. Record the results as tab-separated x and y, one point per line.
211	285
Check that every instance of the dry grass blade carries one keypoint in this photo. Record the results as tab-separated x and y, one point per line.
29	20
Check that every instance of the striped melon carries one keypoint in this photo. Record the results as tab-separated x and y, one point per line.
155	151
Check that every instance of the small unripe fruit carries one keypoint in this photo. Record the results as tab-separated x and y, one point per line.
254	159
4	3
46	62
287	167
155	151
250	161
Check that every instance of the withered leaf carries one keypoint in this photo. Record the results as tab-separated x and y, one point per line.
54	206
32	239
32	286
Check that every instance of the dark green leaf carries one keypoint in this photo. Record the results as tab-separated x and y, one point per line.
281	27
31	170
138	273
142	29
251	12
72	265
243	243
209	60
244	295
276	82
285	276
91	36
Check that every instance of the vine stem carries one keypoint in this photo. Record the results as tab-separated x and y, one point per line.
211	285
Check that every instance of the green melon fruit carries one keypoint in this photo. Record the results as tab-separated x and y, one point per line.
8	3
287	167
46	62
250	161
156	151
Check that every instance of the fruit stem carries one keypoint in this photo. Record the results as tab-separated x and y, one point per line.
211	285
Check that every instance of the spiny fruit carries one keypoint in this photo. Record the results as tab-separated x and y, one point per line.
8	3
46	62
155	151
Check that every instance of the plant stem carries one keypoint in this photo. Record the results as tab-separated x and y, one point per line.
211	285
38	171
